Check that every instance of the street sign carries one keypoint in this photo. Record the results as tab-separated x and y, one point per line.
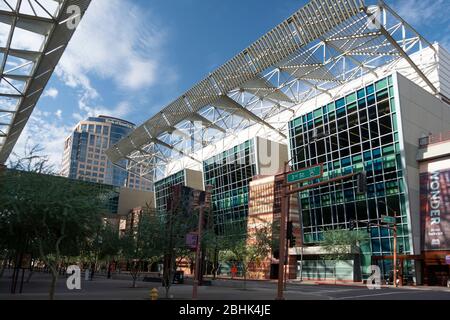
305	174
388	219
447	259
192	240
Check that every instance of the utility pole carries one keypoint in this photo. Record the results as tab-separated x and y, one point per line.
283	218
395	254
198	253
286	192
394	229
201	204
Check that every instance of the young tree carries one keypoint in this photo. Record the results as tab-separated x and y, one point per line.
338	243
30	160
109	247
213	245
249	252
56	215
143	243
175	226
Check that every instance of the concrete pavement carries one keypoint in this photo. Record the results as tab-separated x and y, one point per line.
228	290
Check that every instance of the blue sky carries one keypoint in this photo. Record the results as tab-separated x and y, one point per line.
130	58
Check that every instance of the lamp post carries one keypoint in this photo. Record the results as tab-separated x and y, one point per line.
394	229
198	253
201	205
283	219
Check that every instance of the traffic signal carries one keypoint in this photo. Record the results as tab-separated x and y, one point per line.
369	229
290	230
362	182
292	242
401	249
352	225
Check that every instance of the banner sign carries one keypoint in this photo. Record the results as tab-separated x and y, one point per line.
435	209
192	240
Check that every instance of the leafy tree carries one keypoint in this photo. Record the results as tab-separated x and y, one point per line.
175	226
55	215
337	243
58	218
248	251
106	246
213	245
30	160
143	243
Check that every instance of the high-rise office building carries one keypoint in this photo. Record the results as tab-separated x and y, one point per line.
84	156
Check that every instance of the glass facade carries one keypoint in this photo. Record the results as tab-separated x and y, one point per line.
88	160
163	190
230	173
360	132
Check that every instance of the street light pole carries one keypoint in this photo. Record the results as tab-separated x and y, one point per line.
395	255
394	228
283	218
286	193
198	253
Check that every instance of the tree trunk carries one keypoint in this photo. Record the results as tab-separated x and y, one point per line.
53	283
4	264
245	279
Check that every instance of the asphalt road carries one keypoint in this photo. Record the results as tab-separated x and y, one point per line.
104	289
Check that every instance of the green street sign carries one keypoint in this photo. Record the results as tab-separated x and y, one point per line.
305	174
388	219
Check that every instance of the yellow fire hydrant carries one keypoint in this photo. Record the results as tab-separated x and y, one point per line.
154	294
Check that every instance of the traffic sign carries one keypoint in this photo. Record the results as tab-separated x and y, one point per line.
388	219
305	174
447	259
192	240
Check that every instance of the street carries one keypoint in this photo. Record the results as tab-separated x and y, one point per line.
107	289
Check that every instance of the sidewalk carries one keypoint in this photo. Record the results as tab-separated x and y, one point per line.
237	282
363	285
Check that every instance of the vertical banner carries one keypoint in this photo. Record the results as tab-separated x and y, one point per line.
435	209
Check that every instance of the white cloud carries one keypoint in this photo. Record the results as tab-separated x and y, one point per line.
49	135
58	114
114	41
422	12
120	110
51	93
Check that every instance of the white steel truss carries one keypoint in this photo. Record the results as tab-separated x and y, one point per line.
320	48
26	68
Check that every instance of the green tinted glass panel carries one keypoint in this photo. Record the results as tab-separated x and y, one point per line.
351	98
381	84
318	113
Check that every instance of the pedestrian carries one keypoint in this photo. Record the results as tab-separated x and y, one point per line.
109	270
92	271
233	271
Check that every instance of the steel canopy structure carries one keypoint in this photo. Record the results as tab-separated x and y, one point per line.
27	65
321	47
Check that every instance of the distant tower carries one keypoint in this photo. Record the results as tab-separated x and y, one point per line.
84	153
